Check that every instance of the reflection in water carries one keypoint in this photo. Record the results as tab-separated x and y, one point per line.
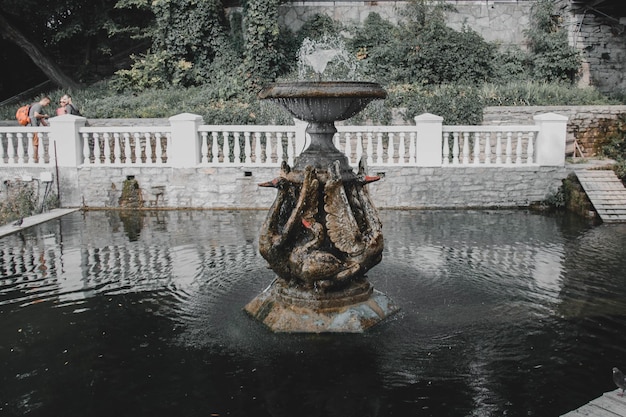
503	313
133	223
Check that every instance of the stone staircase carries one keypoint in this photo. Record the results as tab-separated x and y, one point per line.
606	192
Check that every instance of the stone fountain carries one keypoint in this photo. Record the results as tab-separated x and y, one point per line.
322	233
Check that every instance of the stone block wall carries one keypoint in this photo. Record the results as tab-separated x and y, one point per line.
601	40
586	124
493	20
237	188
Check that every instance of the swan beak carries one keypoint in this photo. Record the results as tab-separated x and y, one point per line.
272	183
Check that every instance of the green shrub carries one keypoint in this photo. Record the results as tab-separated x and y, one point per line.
613	146
457	104
316	27
552	57
21	199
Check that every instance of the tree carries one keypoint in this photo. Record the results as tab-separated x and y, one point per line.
190	45
71	41
47	65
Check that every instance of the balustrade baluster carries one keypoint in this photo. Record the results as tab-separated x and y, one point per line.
476	148
158	148
148	138
11	148
86	153
531	148
379	148
117	149
348	148
215	149
236	148
508	148
401	150
466	148
268	148
41	149
518	148
137	138
107	148
9	137
370	148
127	149
412	138
29	155
290	151
226	147
445	151
247	147
499	148
258	151
279	147
359	146
455	148
20	149
96	149
204	148
487	148
391	148
337	141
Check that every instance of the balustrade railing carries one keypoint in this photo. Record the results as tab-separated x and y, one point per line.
186	142
382	145
247	144
125	145
486	145
17	147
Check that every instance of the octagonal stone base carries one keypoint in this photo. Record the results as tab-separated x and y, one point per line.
291	310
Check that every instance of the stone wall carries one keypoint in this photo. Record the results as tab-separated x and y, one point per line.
601	40
585	124
230	188
493	20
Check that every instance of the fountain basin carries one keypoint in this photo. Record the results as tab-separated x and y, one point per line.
323	101
499	310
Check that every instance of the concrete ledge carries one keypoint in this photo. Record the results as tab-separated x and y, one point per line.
34	220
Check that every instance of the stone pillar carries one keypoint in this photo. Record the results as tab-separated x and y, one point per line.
428	147
186	145
66	144
551	139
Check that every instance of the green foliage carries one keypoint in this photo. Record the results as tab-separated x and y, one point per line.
613	145
190	45
261	55
19	202
458	104
512	65
423	49
21	199
572	197
552	57
318	26
540	93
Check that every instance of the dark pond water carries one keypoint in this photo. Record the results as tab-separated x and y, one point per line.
504	313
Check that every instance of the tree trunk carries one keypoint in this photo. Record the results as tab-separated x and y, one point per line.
37	55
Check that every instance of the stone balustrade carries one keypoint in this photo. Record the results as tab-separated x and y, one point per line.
184	163
186	142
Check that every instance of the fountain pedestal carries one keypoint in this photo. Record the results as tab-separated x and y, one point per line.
353	310
322	233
